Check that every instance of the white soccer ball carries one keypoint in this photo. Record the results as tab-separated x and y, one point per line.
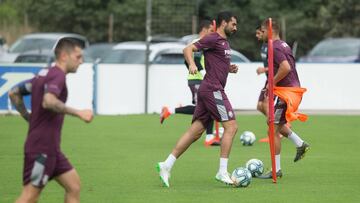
247	138
256	167
241	177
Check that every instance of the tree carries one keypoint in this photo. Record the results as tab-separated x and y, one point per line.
306	22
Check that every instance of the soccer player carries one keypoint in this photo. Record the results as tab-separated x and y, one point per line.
212	100
285	75
194	81
262	104
44	160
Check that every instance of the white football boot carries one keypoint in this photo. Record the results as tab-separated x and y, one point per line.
164	173
224	177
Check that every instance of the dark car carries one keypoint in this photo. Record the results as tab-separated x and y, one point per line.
334	50
43	56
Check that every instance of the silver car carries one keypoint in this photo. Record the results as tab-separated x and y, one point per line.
38	42
160	53
334	50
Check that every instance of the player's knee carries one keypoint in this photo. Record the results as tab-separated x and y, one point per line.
232	129
74	188
259	107
197	135
235	128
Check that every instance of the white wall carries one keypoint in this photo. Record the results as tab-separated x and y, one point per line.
330	86
80	87
121	88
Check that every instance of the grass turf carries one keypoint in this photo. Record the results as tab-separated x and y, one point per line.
116	157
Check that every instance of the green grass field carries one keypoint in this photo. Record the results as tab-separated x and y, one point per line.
116	156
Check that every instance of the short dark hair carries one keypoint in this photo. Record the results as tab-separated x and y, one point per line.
205	23
66	44
275	25
224	15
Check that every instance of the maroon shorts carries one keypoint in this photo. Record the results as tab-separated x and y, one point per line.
213	106
279	111
263	93
40	168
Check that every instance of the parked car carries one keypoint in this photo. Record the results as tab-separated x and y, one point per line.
38	42
160	53
99	51
44	56
334	50
134	53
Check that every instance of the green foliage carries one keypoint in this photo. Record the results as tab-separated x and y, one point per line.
306	22
8	13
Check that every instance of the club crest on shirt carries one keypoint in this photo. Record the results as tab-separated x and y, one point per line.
227	53
284	44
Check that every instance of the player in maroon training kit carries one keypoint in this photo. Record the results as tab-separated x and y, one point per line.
44	160
213	103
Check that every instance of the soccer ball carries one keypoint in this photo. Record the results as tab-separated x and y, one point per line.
255	166
241	177
247	138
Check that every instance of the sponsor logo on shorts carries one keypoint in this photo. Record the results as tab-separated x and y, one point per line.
45	179
230	113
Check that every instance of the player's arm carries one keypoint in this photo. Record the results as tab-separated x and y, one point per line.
284	69
16	96
188	55
261	70
51	102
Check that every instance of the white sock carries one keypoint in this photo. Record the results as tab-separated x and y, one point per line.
170	161
223	165
209	137
295	139
277	162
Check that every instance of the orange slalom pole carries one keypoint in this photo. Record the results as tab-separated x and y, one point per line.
271	99
214	25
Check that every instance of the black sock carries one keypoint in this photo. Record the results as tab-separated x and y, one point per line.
190	109
209	128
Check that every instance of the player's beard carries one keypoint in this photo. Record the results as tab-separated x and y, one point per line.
229	32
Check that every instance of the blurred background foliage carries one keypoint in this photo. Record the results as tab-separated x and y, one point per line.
305	22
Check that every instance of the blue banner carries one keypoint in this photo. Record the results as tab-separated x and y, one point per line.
10	75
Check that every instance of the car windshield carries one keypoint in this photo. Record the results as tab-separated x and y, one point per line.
128	56
237	59
339	48
33	59
23	45
169	58
100	51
